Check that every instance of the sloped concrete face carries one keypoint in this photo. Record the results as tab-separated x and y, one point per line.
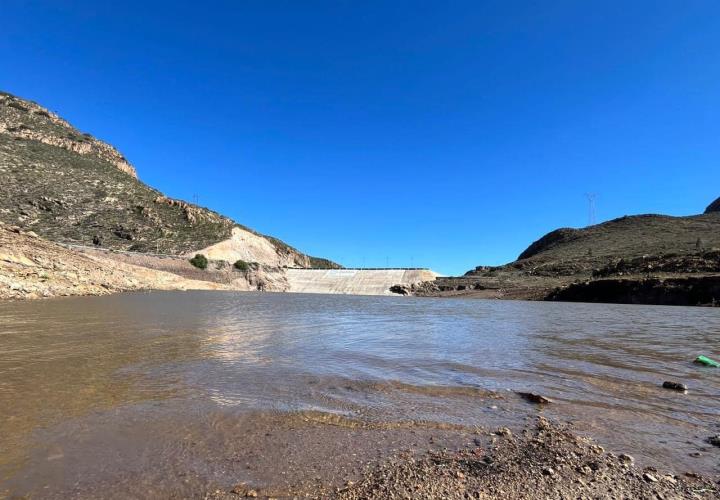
354	281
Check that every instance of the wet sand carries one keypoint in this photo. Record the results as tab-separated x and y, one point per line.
319	455
542	461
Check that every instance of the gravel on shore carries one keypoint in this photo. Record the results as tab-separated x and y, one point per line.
545	461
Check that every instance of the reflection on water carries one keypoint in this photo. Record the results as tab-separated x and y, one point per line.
69	368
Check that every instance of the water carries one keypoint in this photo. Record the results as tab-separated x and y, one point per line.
112	392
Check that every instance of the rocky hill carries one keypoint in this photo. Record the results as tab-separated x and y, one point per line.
626	237
69	187
631	249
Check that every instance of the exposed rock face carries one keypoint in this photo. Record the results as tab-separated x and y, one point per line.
26	120
684	291
71	188
713	207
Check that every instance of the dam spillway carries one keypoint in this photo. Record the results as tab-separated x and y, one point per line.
354	281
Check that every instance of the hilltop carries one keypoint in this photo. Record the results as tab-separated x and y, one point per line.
642	258
71	188
713	207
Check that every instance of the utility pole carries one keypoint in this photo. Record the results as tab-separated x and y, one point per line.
591	197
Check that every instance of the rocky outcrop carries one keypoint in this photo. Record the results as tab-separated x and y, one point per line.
679	291
193	214
422	289
701	262
26	120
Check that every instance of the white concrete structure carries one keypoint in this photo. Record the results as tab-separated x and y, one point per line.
354	281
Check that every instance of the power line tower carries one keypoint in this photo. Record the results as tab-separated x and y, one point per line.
591	198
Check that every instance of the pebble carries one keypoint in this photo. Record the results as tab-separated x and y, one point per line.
626	459
534	398
675	386
649	478
503	431
714	440
239	489
548	471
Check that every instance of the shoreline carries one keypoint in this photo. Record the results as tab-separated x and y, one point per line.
300	456
542	460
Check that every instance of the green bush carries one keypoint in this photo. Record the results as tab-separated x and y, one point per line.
199	261
241	265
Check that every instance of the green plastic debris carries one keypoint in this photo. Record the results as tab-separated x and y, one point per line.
703	360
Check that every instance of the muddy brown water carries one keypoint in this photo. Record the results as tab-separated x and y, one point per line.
172	393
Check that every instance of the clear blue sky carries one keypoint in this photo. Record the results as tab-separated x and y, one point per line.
444	134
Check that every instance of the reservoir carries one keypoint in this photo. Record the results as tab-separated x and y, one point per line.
174	393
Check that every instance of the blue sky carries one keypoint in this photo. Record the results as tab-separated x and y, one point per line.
442	134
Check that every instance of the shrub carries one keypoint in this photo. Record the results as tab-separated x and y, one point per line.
199	261
241	265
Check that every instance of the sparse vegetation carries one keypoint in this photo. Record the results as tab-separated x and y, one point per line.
241	265
199	261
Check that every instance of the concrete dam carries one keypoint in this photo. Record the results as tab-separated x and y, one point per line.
354	281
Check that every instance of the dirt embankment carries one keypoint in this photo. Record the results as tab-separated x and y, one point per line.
255	277
31	267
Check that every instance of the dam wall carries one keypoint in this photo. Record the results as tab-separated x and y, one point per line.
354	281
